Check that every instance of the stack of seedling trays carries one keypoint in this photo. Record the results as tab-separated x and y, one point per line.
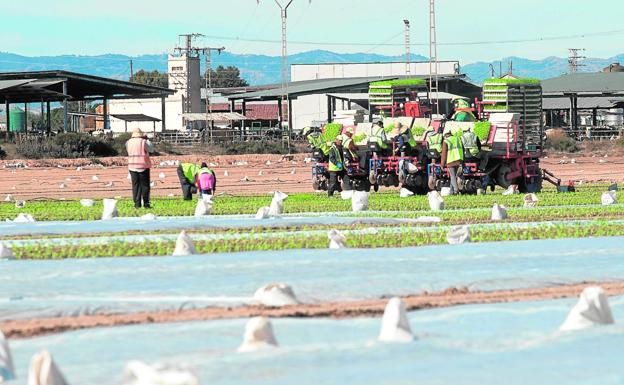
382	95
520	96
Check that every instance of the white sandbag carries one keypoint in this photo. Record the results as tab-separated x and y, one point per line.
445	191
78	168
110	209
95	178
153	184
184	245
263	213
276	295
43	370
337	239
395	326
7	370
161	175
62	185
405	193
87	202
277	204
512	189
346	194
8	198
499	212
24	218
226	173
110	184
592	309
148	217
359	201
458	235
608	198
258	336
436	202
142	374
6	253
530	200
204	206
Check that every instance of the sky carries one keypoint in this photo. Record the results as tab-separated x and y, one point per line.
469	31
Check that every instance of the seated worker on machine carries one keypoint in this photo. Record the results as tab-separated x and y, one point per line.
378	136
462	111
434	143
472	149
315	138
349	148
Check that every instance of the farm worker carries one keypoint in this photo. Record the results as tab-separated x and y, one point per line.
434	141
471	143
378	135
187	173
336	166
139	165
350	151
315	139
206	181
452	157
463	111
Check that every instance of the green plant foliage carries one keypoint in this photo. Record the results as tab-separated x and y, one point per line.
398	83
331	131
359	137
418	131
482	130
388	128
531	81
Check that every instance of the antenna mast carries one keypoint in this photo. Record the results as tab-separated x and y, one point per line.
573	60
433	58
407	47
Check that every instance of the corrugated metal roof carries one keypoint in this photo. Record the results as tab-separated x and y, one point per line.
584	103
135	118
215	116
4	84
597	84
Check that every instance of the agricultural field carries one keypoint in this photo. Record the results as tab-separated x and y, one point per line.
195	283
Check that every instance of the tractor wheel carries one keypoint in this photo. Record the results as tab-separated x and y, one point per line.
533	186
375	187
501	175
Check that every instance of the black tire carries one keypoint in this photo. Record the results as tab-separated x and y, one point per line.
531	186
375	187
501	174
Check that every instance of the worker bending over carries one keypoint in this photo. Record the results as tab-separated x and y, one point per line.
336	166
452	158
194	178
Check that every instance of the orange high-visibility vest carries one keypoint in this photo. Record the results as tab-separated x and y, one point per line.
138	157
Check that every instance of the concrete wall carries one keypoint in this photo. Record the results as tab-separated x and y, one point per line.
300	72
149	107
178	81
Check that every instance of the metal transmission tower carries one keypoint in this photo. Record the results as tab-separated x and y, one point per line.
433	58
285	77
407	47
189	52
573	59
207	51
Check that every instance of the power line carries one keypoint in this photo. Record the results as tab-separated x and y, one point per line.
482	42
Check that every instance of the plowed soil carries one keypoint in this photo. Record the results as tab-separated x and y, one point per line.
246	174
449	297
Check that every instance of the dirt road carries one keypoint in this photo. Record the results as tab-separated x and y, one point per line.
246	174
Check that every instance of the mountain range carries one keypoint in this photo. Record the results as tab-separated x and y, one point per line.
262	69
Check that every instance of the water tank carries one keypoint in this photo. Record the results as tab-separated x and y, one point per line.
614	117
18	120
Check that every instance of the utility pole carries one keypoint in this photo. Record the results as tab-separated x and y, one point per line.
407	47
131	71
433	58
208	55
189	52
573	60
285	76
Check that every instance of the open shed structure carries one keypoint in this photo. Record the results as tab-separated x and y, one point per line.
349	90
48	87
590	92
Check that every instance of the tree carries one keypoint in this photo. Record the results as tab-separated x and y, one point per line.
154	78
226	77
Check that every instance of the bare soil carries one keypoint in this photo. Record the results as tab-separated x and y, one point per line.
247	174
446	298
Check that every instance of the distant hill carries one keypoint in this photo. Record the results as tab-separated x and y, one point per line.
262	69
